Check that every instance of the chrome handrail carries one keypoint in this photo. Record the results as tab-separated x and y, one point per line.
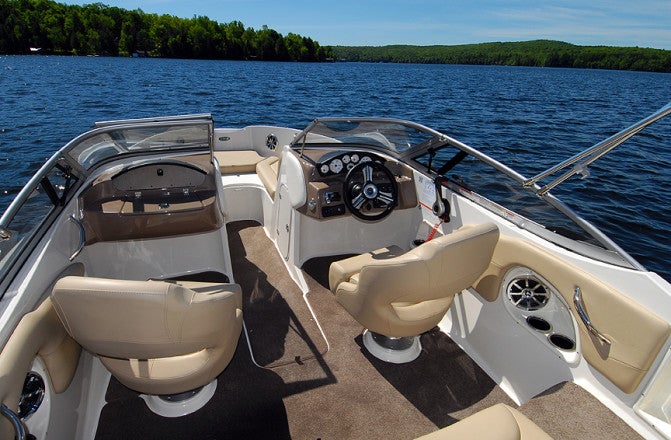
594	153
16	422
577	300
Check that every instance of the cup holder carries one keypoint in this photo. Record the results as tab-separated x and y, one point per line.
561	342
539	324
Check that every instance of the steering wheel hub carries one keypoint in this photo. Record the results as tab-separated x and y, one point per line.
370	191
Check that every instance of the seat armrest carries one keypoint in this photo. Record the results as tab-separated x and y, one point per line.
343	270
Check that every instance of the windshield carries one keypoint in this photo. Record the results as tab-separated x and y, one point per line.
499	189
392	136
472	174
47	193
133	136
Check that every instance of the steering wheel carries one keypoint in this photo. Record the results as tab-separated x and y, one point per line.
370	191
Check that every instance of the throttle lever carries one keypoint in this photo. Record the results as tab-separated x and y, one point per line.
441	207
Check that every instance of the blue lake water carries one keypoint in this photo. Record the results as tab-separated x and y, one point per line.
528	118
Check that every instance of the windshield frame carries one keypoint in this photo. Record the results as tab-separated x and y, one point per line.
611	251
318	129
71	165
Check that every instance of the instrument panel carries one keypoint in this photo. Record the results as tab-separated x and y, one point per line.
339	163
326	174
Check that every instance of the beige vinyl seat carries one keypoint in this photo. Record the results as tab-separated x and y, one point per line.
268	171
155	337
398	295
498	422
237	161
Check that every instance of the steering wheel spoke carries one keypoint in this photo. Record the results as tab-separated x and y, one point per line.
367	173
385	197
358	201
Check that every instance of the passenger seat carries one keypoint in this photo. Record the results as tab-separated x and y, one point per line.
498	422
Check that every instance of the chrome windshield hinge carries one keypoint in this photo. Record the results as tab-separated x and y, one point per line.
5	234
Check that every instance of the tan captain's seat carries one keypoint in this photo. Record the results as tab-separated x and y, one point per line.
498	422
155	337
398	295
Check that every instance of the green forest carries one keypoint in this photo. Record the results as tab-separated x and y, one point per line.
539	53
97	29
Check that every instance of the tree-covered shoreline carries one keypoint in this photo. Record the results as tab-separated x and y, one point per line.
538	53
97	29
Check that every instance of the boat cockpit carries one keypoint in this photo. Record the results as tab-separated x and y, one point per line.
358	278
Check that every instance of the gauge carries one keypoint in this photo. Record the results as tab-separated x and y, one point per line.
324	169
345	159
355	158
336	166
366	159
350	166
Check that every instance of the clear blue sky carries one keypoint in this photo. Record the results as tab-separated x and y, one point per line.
644	23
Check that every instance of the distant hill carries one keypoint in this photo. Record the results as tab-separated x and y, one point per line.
46	26
538	53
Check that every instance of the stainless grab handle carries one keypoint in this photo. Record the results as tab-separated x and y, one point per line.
577	300
82	237
19	429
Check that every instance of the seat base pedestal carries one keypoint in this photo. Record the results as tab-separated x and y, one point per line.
166	407
394	350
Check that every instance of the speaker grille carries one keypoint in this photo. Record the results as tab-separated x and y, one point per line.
528	293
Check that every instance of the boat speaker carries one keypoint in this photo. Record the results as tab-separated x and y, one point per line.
528	293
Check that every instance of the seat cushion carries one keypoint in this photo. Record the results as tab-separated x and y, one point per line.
268	170
344	269
498	422
156	337
237	162
401	294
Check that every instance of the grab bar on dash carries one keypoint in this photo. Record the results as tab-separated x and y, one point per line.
577	300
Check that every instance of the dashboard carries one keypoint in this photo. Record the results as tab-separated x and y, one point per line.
156	198
331	187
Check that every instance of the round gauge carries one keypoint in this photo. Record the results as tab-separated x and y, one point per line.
366	159
336	166
350	166
345	159
355	158
324	169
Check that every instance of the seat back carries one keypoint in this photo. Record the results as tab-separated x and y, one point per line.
155	337
436	269
408	294
143	319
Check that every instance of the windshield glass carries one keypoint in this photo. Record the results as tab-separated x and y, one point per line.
472	175
395	137
502	194
126	137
